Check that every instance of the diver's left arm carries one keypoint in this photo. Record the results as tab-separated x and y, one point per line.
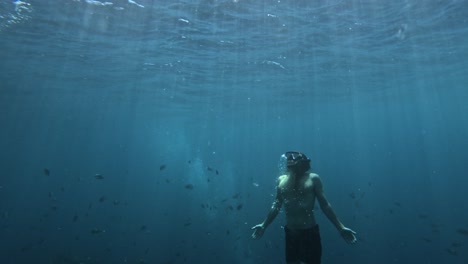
346	233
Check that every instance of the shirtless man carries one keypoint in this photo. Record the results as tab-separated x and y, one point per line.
297	191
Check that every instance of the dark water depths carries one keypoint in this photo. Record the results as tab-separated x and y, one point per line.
184	108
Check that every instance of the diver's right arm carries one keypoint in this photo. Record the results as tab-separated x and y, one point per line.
274	210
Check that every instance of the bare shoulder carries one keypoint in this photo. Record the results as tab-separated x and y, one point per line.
282	180
316	180
314	176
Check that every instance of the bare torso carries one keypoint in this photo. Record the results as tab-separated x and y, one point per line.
298	200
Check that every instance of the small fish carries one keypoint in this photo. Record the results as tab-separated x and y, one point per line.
5	215
26	248
183	20
102	199
187	224
99	176
75	218
239	206
452	252
143	228
352	195
162	167
462	231
428	240
217	172
457	244
209	168
423	216
116	202
96	231
46	172
189	186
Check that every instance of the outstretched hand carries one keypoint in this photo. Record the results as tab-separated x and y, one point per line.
259	230
348	235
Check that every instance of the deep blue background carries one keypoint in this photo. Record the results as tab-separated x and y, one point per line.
374	92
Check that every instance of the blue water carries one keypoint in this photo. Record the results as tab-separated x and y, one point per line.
184	108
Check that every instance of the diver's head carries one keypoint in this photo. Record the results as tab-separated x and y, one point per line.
294	162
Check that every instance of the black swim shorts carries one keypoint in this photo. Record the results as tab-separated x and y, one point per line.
303	245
